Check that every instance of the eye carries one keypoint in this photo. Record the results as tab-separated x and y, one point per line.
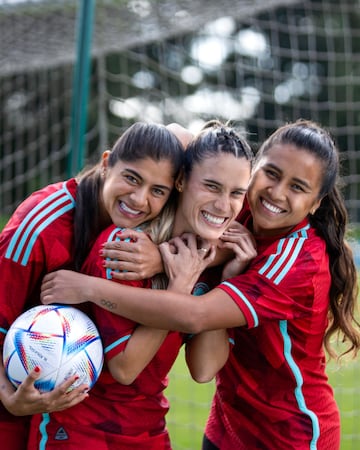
297	187
158	192
212	187
131	179
238	193
271	173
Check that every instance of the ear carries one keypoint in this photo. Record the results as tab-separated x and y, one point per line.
179	182
315	206
104	159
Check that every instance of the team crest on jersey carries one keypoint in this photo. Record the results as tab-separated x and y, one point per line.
200	288
61	435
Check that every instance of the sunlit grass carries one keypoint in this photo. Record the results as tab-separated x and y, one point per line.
190	403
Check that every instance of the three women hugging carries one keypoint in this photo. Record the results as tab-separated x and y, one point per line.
242	260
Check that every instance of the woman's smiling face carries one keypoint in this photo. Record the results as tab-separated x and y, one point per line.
284	189
135	192
212	196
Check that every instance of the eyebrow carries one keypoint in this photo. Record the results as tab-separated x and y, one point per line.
137	175
296	180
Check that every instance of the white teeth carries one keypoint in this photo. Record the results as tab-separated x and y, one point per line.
125	208
213	219
271	207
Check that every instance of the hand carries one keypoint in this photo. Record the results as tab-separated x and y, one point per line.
185	259
242	243
67	287
133	257
27	400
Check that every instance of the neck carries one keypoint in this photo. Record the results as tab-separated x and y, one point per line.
179	226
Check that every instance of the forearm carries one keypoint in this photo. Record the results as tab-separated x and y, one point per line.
141	305
206	353
140	350
154	308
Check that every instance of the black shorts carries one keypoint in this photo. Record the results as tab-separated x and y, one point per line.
208	445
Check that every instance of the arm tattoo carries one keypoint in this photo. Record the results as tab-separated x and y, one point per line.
111	306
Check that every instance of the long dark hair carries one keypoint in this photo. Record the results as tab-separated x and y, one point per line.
330	220
139	141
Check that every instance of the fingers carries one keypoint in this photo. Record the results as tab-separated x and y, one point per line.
127	275
69	384
244	251
203	251
30	380
28	400
129	241
239	233
64	396
210	256
71	399
129	234
189	241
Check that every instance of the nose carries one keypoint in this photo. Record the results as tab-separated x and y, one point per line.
278	191
139	197
222	203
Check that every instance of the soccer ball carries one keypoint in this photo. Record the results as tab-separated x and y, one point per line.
59	339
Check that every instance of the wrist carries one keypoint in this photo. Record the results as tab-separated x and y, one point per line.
176	286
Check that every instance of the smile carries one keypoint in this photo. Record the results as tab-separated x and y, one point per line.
125	208
214	220
270	207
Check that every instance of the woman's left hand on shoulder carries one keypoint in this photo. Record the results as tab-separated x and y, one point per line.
241	242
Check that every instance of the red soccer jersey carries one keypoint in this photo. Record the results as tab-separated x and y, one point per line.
130	417
273	391
37	239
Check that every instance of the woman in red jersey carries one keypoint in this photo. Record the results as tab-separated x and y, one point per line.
55	227
126	408
298	292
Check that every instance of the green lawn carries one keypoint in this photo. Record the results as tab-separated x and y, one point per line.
3	221
189	405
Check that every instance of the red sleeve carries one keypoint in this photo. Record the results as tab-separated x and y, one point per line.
36	240
283	285
115	330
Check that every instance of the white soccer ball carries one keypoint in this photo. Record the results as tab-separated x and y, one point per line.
60	339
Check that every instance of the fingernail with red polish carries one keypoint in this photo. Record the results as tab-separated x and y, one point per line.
37	369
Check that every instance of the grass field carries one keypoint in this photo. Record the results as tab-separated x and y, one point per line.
189	405
3	221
